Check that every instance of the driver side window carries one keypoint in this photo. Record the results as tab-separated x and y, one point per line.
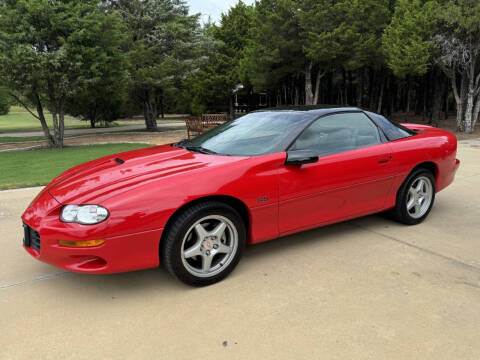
338	133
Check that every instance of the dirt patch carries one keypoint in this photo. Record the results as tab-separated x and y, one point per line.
159	138
164	137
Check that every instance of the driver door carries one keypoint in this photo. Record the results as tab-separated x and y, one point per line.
352	177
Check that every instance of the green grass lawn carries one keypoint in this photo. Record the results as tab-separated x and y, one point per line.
38	167
19	120
11	139
23	121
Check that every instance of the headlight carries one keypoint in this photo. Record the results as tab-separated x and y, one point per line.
84	214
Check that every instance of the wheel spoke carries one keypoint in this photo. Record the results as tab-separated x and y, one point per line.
420	185
417	208
201	232
219	230
206	263
223	249
412	192
411	203
193	250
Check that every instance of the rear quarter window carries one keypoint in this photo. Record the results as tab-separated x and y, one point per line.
392	131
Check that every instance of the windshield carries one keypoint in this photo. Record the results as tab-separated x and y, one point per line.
259	133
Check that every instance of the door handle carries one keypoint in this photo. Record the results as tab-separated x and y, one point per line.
384	159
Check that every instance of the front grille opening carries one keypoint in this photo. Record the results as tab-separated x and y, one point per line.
31	238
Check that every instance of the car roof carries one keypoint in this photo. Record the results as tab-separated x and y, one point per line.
315	110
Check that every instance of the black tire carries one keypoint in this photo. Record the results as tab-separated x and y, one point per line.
400	212
171	253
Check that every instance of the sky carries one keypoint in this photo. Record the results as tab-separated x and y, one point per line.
212	8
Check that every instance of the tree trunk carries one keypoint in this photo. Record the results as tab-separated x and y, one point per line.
230	107
393	96
469	111
446	99
329	90
317	86
351	93
150	115
371	89
61	126
43	122
459	100
380	97
57	115
471	94
425	95
93	116
162	110
407	107
438	90
58	127
476	111
308	84
360	87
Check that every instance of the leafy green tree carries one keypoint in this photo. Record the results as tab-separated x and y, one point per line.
407	41
4	101
341	34
48	50
444	33
458	45
323	24
166	44
100	103
365	23
213	84
274	57
104	56
300	41
408	48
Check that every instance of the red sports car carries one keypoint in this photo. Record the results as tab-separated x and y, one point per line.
194	205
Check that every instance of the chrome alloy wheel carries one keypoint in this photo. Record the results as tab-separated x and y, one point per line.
209	246
419	197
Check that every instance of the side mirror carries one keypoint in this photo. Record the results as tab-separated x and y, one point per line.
299	157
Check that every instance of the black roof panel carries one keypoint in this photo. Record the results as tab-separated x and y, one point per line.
317	110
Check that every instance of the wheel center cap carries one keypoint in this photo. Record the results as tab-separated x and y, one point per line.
208	244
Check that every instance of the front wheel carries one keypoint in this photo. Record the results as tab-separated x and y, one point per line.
415	198
204	243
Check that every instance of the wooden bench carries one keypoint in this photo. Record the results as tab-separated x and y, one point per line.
197	126
212	120
194	126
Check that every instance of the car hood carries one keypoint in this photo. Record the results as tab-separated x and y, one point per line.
108	176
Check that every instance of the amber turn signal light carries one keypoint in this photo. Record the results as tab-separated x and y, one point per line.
87	243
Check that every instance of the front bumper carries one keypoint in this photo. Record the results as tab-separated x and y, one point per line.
120	253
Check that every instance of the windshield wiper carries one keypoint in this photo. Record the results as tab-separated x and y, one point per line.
180	143
200	150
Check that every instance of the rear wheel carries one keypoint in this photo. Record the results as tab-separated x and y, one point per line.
415	197
204	243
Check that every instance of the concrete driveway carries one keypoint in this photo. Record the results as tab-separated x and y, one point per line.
367	288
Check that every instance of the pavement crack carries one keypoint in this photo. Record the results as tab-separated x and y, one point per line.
427	251
38	278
